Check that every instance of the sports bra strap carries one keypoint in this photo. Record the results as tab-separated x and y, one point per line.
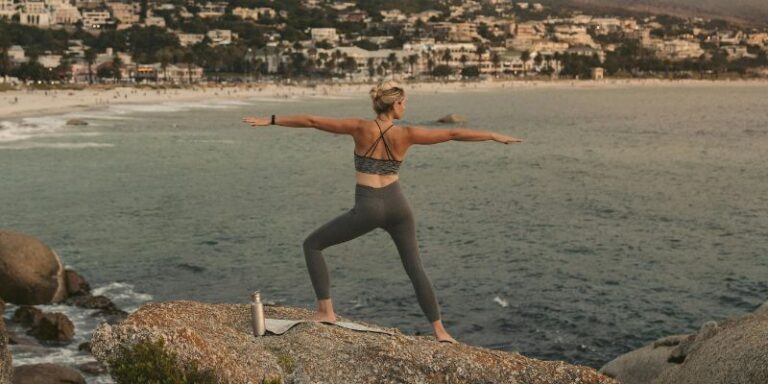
381	138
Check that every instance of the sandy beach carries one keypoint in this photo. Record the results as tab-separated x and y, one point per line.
30	102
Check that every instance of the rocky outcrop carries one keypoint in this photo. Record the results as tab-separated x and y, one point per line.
46	374
452	119
6	365
732	351
31	272
218	338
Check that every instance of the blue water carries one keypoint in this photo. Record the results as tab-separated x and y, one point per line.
628	213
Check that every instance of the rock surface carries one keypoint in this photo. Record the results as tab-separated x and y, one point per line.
46	374
6	365
734	351
219	337
452	119
76	122
55	327
31	272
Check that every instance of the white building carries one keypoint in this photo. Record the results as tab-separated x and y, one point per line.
187	39
154	21
66	15
255	13
35	14
95	20
679	49
324	34
49	61
221	36
125	13
16	54
7	9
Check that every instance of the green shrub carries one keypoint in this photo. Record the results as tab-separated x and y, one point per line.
150	363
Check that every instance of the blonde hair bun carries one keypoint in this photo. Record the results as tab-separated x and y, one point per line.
385	94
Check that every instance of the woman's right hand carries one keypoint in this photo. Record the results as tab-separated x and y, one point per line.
505	139
257	121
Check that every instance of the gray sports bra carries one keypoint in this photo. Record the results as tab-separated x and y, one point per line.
366	164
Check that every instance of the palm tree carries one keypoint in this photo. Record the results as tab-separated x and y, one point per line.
336	56
525	56
496	60
165	56
481	50
447	56
463	60
90	58
189	58
412	60
371	68
391	61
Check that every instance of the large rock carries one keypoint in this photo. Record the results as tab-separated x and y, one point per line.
6	366
218	338
46	374
643	365
56	327
452	119
31	272
733	351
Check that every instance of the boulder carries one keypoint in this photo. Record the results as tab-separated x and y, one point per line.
46	374
27	315
452	119
643	365
6	366
76	284
76	122
92	368
55	327
732	351
108	309
31	272
218	340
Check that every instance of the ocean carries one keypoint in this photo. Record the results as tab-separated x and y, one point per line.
627	214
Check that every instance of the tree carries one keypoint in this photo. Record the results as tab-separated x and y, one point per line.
371	67
463	60
496	60
447	57
90	58
442	71
525	56
471	71
412	60
117	65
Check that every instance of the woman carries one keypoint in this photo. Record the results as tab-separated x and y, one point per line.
380	148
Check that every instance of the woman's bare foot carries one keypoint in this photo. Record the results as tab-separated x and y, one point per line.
441	334
324	311
323	316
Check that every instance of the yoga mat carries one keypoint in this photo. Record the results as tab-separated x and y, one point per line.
280	326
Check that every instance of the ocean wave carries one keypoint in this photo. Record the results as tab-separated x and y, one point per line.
122	294
38	145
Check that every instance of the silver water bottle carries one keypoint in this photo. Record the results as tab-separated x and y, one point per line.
257	315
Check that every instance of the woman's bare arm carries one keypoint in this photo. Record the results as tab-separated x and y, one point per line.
428	136
328	124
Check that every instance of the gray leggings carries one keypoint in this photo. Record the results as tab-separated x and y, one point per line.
385	208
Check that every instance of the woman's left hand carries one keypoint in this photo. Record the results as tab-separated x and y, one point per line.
257	121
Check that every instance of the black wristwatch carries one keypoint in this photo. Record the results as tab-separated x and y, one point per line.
273	120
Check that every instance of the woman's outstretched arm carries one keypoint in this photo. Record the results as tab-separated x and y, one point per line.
328	124
433	136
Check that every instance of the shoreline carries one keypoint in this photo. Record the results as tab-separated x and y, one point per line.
19	104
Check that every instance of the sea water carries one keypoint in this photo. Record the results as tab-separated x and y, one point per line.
627	214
